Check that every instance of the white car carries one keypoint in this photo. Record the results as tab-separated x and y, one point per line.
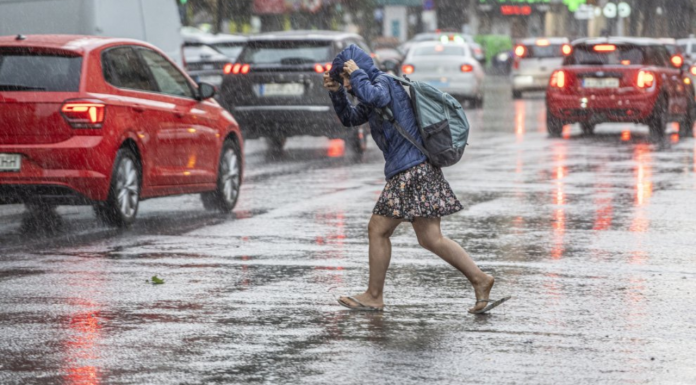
535	60
450	67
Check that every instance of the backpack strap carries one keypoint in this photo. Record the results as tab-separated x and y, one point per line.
386	114
402	81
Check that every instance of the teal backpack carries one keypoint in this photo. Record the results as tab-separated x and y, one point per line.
441	122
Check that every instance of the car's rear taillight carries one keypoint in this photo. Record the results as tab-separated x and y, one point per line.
646	79
236	69
566	49
408	69
558	79
227	69
693	70
84	113
520	51
466	68
318	68
677	61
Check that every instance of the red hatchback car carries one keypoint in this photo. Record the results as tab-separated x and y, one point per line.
619	80
109	122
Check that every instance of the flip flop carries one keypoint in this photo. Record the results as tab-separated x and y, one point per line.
360	306
492	304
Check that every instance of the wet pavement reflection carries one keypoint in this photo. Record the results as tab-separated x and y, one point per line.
593	236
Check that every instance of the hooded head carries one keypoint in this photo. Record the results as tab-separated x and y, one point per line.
360	57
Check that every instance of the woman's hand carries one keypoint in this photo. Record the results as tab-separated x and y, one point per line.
349	67
330	84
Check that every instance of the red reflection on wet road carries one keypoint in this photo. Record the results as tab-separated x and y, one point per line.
559	199
674	138
626	135
81	348
337	148
520	116
643	171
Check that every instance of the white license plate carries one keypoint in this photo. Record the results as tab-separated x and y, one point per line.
439	83
600	83
280	89
213	79
10	162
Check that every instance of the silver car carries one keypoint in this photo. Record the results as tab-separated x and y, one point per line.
535	60
450	67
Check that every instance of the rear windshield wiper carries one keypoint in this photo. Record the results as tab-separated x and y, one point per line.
592	63
296	60
18	87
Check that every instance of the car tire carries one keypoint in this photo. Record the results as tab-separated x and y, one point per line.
657	122
517	94
357	141
554	126
276	143
587	128
121	205
228	182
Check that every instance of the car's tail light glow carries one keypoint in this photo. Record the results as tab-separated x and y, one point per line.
227	69
520	51
466	68
677	61
84	113
318	68
328	66
543	43
605	48
646	79
408	69
244	70
566	49
693	70
558	79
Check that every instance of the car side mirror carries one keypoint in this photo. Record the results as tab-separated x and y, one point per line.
205	91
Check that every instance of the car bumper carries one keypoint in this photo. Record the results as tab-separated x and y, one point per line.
74	171
598	109
530	82
265	121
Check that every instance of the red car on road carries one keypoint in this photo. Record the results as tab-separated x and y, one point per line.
109	122
619	80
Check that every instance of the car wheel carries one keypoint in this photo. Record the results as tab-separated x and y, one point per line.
657	122
587	128
357	141
276	143
224	198
517	94
121	205
553	125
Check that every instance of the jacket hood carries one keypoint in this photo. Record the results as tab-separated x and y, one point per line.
360	57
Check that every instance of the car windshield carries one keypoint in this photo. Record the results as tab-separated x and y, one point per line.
544	51
439	50
23	70
620	55
231	50
287	52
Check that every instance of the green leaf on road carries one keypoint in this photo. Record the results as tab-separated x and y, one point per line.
157	281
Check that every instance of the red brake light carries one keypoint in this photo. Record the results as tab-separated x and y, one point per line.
466	68
318	68
566	49
245	69
558	79
693	70
328	66
543	42
227	69
236	67
646	79
605	48
407	69
520	51
677	61
84	113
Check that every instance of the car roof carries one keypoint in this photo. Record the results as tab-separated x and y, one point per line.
75	43
619	40
551	40
207	38
304	35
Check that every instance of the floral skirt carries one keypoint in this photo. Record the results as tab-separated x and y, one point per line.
420	191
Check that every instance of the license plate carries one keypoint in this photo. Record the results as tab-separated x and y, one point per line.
280	89
10	162
600	83
439	83
213	79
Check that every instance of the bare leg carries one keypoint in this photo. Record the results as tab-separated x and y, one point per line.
430	237
379	230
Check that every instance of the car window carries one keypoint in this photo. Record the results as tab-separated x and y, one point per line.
168	78
124	69
231	50
22	70
543	51
439	50
659	56
620	55
287	52
684	48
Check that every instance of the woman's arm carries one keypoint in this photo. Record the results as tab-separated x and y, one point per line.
348	114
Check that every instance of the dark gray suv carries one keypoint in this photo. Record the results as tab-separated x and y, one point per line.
275	89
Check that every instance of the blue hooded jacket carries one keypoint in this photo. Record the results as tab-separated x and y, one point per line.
375	91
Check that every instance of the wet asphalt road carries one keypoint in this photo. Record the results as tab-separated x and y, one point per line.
593	236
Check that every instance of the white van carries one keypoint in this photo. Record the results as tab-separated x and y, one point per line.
154	21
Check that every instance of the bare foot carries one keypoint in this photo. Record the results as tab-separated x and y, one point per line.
483	291
365	299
